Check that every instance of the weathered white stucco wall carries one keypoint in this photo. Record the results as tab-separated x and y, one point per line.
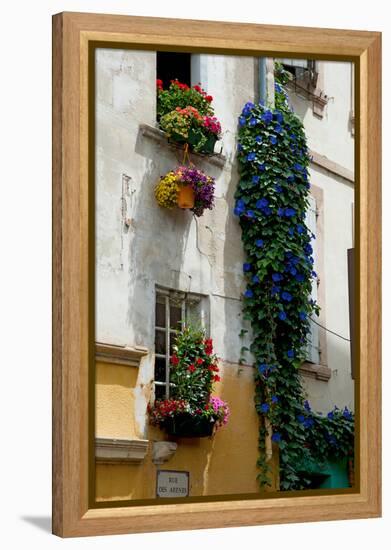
331	136
140	245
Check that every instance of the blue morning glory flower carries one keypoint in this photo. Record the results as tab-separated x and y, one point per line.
256	279
253	121
249	293
307	405
255	179
278	188
308	423
308	249
277	87
286	296
261	203
278	128
261	166
277	277
313	273
280	212
251	157
290	353
291	231
258	139
273	140
250	214
290	178
300	228
299	277
242	121
303	315
248	108
239	208
274	399
300	418
267	117
276	437
275	290
246	267
347	414
259	243
282	316
298	167
240	147
290	212
330	415
264	408
262	368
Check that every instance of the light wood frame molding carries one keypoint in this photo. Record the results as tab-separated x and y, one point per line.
73	35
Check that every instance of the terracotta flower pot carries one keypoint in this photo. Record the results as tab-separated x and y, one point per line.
186	197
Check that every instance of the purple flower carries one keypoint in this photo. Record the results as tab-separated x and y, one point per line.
273	139
290	353
242	121
308	423
301	418
278	128
253	121
250	214
258	139
277	277
249	293
255	179
256	279
286	296
299	277
276	437
274	399
262	368
300	229
282	315
259	243
261	203
248	108
246	267
280	212
251	156
308	250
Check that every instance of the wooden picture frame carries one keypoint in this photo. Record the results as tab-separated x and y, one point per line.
73	36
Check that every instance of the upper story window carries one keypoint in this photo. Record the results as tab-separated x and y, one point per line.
172	66
172	309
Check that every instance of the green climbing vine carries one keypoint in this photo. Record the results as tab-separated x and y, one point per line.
271	203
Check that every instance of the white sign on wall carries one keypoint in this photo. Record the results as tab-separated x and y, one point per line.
172	484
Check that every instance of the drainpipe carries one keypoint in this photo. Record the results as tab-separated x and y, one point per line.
262	79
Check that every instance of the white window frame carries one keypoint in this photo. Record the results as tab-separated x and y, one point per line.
186	300
313	345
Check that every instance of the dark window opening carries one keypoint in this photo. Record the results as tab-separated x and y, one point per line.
173	65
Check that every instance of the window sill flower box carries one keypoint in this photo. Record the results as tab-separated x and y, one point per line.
186	425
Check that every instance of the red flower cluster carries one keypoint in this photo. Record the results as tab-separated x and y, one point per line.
163	409
191	368
159	84
174	360
208	346
180	85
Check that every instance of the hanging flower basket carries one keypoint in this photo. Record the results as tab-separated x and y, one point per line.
186	187
186	196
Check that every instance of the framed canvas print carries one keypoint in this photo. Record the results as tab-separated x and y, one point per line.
216	272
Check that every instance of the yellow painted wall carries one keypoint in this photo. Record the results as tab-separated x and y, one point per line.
224	464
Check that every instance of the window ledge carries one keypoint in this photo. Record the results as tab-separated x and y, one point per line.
120	451
318	372
119	355
151	132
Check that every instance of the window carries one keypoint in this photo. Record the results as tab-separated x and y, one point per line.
173	65
301	68
172	309
313	349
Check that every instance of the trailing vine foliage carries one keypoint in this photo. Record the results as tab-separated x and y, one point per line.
271	203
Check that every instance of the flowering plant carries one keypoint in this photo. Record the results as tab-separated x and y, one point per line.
167	189
186	116
193	372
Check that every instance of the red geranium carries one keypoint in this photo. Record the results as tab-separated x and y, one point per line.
174	359
199	361
209	98
209	346
191	368
159	84
216	378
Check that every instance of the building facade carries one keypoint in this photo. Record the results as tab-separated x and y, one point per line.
155	267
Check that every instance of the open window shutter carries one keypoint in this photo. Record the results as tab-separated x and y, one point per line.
313	336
